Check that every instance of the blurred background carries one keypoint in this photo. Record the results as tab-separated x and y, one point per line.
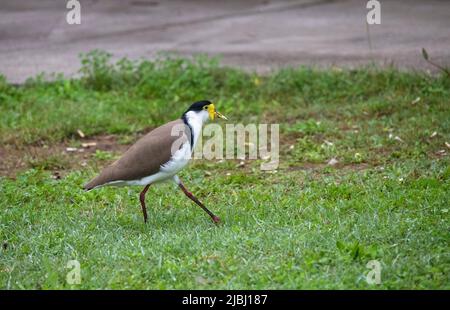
256	34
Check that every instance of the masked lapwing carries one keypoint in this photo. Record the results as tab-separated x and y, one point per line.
160	155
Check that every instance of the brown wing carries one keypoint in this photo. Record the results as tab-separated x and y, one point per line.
143	158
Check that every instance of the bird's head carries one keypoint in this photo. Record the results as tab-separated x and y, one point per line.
204	109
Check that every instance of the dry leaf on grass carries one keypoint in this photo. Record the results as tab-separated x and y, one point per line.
88	144
398	138
417	100
333	161
80	133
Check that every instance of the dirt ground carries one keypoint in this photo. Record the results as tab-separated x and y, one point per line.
63	157
254	34
57	157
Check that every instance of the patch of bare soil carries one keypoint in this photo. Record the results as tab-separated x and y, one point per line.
67	155
76	154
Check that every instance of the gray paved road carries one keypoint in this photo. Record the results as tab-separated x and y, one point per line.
254	34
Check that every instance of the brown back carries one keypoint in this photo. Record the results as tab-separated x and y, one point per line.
143	158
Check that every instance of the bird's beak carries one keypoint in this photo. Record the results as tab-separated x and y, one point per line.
221	116
213	113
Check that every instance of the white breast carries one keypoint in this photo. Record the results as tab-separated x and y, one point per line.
178	161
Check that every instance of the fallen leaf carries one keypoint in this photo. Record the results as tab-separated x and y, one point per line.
80	133
416	100
447	145
88	144
71	149
433	134
398	138
333	161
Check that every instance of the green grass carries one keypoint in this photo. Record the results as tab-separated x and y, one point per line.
309	225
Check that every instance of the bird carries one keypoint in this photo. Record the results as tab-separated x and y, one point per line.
159	155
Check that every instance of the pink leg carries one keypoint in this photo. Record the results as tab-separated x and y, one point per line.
194	199
142	199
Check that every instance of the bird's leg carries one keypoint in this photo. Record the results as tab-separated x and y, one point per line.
142	199
194	199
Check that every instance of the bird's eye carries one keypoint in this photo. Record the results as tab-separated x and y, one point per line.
205	107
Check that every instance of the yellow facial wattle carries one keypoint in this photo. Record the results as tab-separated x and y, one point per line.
211	111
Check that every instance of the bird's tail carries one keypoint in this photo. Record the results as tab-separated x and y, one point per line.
89	186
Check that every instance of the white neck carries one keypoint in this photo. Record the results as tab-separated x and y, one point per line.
196	121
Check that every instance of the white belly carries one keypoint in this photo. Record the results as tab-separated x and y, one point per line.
178	161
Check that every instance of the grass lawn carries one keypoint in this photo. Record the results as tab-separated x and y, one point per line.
309	225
